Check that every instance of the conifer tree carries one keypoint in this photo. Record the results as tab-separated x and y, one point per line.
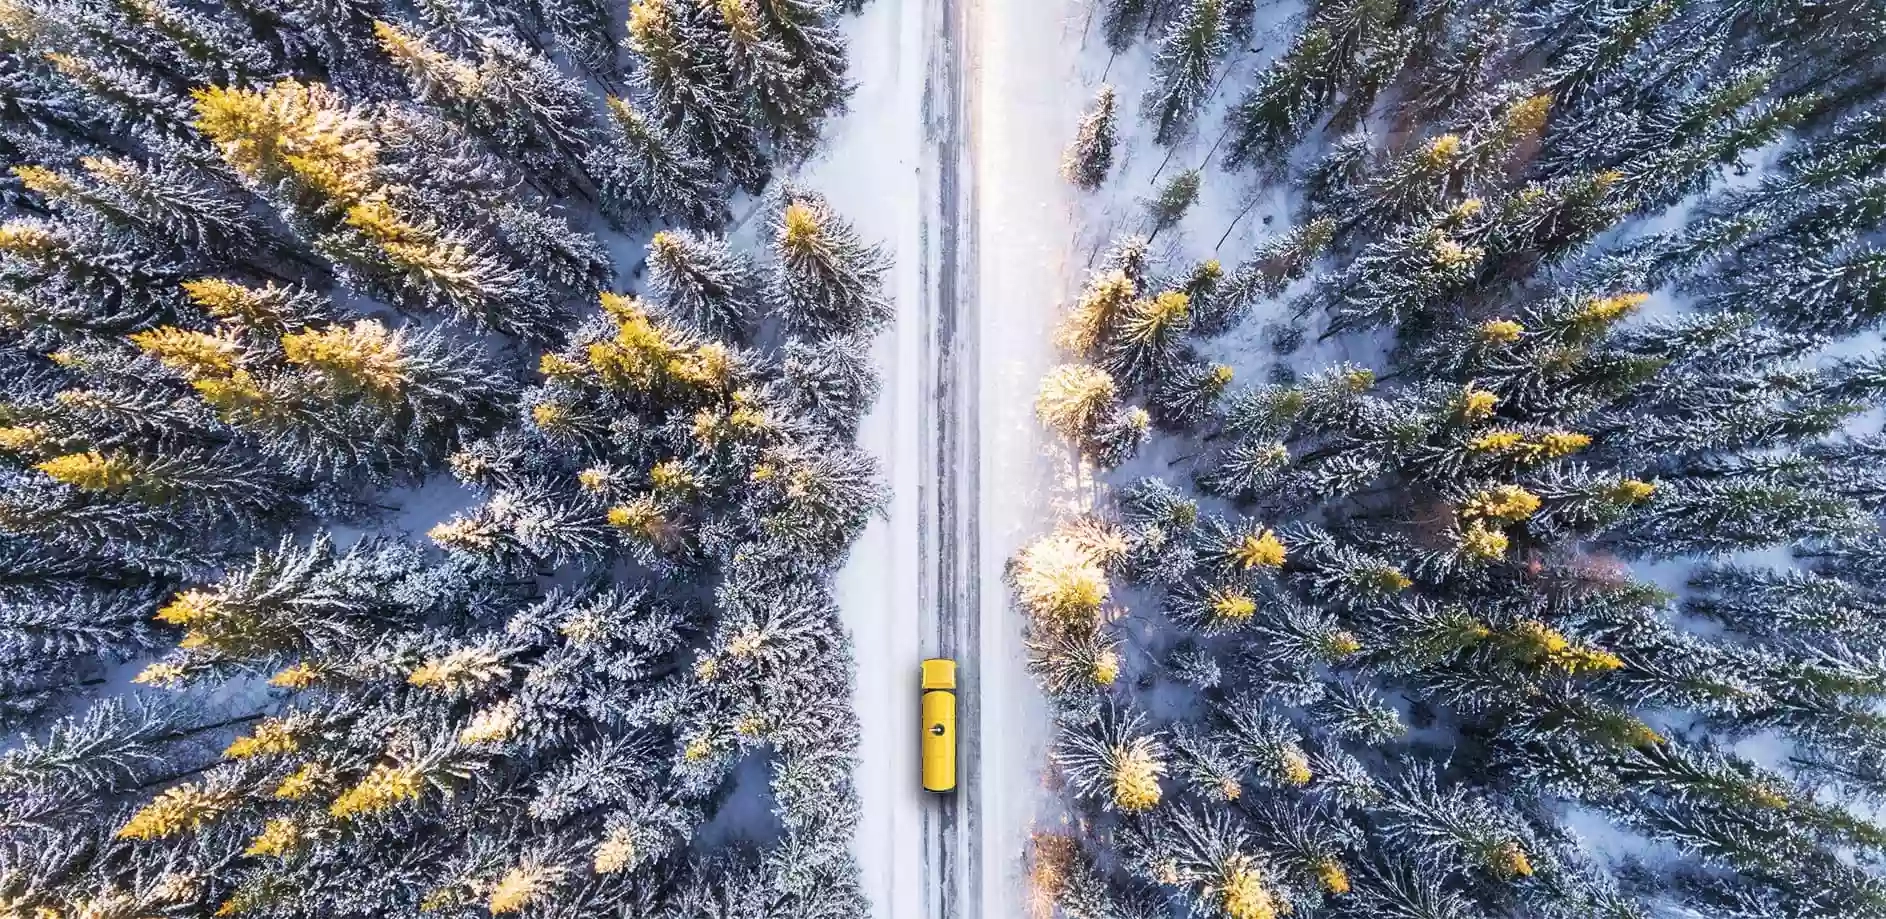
690	90
1182	71
1273	114
805	30
829	281
1090	157
645	166
1175	198
1123	21
220	215
702	281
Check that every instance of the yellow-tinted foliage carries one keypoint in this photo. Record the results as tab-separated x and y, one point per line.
1332	876
1150	320
179	809
291	130
1389	579
641	356
492	725
270	736
1509	503
1477	404
303	782
1233	606
651	31
249	307
1550	445
363	357
519	887
1501	331
426	64
194	354
1528	116
1136	774
279	837
1630	491
671	476
1260	550
1058	580
190	607
1099	308
1480	541
616	852
1340	644
240	398
294	676
641	515
383	788
463	670
1450	254
29	240
1074	399
557	367
800	230
21	439
1605	310
1536	643
46	182
91	471
1244	895
1510	861
1442	150
1556	444
161	675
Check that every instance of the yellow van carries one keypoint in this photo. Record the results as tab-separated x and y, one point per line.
939	724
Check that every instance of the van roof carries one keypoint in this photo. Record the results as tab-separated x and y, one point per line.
939	673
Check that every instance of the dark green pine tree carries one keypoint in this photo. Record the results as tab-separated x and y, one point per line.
1182	70
808	32
1273	115
704	283
1174	201
1123	21
644	167
691	89
1709	516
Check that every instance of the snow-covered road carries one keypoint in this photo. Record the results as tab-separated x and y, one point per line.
959	179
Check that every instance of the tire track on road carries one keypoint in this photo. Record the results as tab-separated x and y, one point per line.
952	856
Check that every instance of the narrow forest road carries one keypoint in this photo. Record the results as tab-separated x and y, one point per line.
952	855
952	140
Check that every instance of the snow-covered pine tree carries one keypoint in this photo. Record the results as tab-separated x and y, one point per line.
1182	71
1090	157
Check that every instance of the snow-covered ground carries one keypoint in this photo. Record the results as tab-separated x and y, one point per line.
870	173
1025	105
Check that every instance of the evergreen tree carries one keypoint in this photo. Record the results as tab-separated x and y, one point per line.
702	281
1276	111
1182	72
1175	198
828	280
1090	156
1123	20
691	90
645	167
